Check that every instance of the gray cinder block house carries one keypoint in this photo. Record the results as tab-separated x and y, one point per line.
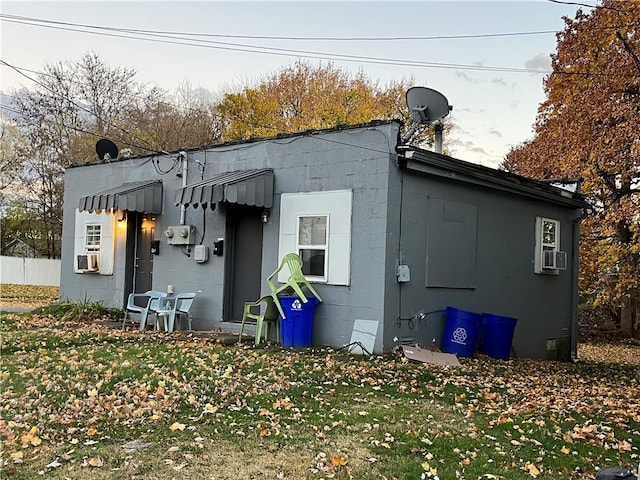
390	234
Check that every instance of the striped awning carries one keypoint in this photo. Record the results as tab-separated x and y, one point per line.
144	196
247	187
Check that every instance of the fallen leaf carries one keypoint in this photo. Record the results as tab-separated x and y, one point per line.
17	457
339	460
54	464
624	446
95	462
531	469
177	426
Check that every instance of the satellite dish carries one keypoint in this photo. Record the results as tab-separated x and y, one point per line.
106	149
427	106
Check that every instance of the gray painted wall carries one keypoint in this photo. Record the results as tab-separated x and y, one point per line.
321	162
390	223
506	284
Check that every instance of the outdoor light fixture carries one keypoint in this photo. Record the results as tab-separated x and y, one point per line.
123	216
265	216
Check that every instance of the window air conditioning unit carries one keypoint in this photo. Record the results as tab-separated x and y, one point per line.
89	262
554	260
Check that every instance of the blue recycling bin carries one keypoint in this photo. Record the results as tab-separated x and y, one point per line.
496	335
296	329
461	332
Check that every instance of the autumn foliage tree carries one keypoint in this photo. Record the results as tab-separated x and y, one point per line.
302	97
589	128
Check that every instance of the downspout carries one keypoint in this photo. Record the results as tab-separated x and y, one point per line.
185	169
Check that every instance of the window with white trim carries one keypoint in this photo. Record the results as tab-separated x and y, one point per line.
548	257
94	242
93	237
313	242
317	226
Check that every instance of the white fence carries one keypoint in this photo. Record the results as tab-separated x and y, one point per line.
29	271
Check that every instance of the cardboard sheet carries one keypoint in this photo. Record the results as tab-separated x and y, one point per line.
422	355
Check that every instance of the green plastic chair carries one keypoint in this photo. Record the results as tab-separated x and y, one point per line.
295	281
267	314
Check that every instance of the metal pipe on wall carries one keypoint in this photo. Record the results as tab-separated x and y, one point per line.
185	170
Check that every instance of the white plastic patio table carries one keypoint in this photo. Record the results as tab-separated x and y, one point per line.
166	305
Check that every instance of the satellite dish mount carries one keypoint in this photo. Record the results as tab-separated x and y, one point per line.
427	106
106	149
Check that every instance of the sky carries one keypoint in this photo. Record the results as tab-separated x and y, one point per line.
487	58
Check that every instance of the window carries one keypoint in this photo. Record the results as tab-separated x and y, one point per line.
94	242
317	226
93	237
313	239
548	257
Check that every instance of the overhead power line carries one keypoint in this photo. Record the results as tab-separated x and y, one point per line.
277	37
84	109
176	39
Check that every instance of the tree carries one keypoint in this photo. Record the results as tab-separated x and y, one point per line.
60	121
186	119
302	97
11	158
588	128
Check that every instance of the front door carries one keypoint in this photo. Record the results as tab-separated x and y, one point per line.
140	233
243	259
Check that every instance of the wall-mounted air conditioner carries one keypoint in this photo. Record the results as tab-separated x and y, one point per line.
180	235
554	260
89	262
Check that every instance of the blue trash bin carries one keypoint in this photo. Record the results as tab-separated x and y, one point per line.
296	329
461	332
497	335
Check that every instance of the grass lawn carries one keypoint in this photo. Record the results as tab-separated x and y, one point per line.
32	295
81	400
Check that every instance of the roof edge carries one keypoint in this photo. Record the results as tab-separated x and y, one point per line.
419	160
279	136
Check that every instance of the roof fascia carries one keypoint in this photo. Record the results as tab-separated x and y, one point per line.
457	170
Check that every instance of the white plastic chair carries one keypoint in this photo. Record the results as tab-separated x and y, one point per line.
152	301
176	306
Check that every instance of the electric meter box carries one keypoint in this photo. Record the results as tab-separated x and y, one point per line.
180	235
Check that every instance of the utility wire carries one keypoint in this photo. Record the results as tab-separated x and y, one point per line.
10	109
83	84
275	37
176	40
167	39
77	105
598	7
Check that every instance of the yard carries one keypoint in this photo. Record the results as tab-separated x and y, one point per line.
81	399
